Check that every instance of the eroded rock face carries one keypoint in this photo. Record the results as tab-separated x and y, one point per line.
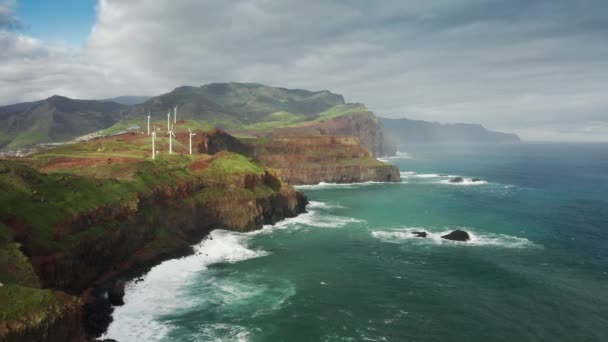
330	159
217	140
363	125
131	240
62	322
457	235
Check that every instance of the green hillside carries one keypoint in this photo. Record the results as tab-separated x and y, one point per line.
246	106
234	105
54	119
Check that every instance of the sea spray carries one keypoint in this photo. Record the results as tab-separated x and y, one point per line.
160	292
434	237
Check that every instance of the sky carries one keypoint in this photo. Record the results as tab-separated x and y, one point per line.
538	68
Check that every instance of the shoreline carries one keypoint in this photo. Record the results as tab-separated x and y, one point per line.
98	309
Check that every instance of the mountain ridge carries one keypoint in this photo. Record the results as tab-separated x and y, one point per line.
408	131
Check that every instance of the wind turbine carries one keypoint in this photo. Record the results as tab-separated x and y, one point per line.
191	134
153	147
148	123
175	114
168	120
171	136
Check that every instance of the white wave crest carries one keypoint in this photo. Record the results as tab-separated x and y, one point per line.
413	174
323	205
323	185
222	332
158	293
465	181
317	216
398	155
434	237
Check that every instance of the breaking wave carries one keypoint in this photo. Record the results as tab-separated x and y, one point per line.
323	185
465	181
440	178
398	155
159	291
402	235
316	217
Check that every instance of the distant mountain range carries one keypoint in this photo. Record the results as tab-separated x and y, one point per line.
232	106
406	131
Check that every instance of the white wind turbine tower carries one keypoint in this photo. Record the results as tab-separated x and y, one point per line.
171	136
153	147
175	114
191	134
148	123
168	120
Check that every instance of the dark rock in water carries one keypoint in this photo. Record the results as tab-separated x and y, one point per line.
117	293
457	235
97	316
420	234
107	340
475	180
457	180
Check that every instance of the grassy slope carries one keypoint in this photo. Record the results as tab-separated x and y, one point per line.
286	119
273	120
230	106
41	200
54	119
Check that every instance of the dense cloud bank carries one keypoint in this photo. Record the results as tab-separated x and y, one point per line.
537	68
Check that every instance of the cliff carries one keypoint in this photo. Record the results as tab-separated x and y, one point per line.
241	108
355	122
78	233
305	159
315	159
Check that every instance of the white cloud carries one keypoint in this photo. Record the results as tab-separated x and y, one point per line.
517	65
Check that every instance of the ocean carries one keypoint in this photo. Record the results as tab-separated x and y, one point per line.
536	268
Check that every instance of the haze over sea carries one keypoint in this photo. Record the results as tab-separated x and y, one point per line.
350	269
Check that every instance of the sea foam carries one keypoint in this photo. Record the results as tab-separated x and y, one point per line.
465	181
398	155
324	186
316	217
158	292
402	235
441	178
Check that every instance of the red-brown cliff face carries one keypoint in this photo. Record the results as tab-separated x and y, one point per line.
315	159
363	125
307	159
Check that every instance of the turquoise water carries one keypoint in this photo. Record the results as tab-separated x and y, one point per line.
350	269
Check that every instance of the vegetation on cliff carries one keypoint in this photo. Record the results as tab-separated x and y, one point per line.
78	214
243	108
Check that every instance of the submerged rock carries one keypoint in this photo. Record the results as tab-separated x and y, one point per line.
475	180
457	235
457	180
420	234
